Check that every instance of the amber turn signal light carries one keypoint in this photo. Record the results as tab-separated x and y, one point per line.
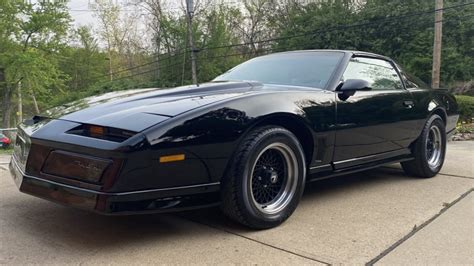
172	158
96	130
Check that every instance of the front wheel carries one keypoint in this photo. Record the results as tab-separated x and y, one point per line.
429	150
266	178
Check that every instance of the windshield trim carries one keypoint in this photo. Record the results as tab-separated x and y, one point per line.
268	84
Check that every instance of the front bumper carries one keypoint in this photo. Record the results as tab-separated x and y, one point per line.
132	202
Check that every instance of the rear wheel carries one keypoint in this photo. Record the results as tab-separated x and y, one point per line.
429	150
266	179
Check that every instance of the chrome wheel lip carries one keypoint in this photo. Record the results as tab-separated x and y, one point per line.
434	147
290	183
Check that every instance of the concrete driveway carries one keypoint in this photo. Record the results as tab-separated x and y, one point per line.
378	216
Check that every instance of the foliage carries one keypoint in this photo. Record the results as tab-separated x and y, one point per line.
463	88
85	65
465	128
54	63
6	151
466	108
31	36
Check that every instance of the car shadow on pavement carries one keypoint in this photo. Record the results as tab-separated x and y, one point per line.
81	230
314	191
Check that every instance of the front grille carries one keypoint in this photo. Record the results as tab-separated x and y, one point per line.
21	148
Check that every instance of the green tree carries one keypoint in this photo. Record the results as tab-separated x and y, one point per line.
33	35
84	63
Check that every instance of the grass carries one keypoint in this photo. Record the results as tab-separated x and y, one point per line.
465	128
7	151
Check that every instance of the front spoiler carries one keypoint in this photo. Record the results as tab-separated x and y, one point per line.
120	203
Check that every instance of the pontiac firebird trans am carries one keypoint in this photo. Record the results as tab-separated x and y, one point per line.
248	141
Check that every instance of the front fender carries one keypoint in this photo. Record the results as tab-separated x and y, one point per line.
213	133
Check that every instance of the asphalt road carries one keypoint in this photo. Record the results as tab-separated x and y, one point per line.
379	216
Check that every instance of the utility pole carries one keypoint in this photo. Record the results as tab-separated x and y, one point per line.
438	33
189	15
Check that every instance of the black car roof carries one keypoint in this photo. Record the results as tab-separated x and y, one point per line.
352	52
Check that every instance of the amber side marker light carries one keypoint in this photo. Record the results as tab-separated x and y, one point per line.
96	130
172	158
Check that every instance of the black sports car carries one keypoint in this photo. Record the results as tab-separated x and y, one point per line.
248	140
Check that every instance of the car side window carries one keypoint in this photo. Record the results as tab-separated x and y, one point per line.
412	82
379	73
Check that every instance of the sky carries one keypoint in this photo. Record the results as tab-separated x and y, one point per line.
80	12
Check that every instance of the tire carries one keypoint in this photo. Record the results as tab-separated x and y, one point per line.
265	180
429	150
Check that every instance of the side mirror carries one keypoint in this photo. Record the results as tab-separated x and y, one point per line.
355	85
349	87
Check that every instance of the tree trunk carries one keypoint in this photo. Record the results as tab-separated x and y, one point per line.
5	99
110	67
35	103
6	107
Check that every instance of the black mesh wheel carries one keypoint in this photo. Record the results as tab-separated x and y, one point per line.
265	180
428	150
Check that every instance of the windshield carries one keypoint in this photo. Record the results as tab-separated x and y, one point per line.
307	69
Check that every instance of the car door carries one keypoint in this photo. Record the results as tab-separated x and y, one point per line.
373	124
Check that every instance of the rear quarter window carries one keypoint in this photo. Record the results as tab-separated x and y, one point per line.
412	82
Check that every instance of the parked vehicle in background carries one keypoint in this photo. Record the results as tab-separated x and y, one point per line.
4	141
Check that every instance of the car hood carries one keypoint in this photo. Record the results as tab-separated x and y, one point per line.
137	110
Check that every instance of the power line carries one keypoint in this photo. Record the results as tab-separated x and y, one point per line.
147	71
139	66
340	27
259	52
93	10
453	19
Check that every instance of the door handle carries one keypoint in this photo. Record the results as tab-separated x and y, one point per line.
408	104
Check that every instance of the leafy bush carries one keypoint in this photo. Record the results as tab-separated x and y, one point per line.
465	128
7	150
466	108
463	88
